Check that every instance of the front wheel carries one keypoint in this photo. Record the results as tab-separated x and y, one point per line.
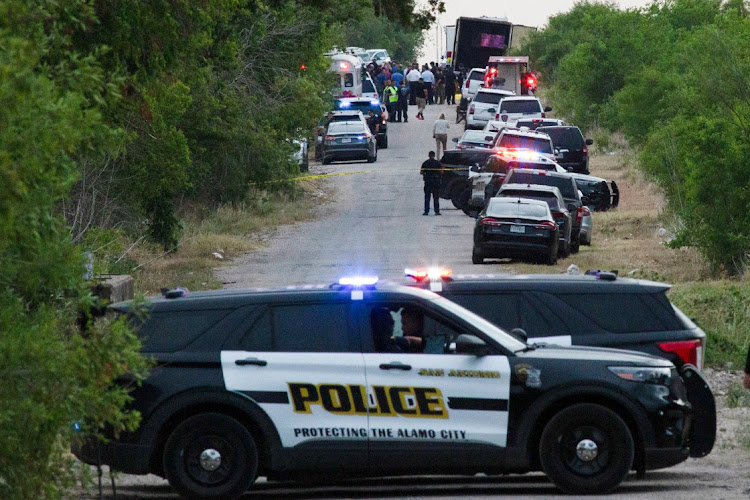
586	449
210	455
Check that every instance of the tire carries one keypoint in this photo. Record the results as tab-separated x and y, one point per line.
305	167
326	161
455	188
568	429
463	200
235	444
575	246
476	256
551	257
371	159
565	249
384	142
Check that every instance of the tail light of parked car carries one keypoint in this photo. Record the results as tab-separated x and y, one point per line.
471	109
547	225
489	221
329	139
689	351
581	213
585	151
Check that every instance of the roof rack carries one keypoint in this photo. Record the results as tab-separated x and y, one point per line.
602	275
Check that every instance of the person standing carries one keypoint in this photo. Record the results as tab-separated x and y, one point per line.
746	378
397	76
390	98
373	122
402	105
420	91
412	77
440	133
450	86
439	86
429	80
432	172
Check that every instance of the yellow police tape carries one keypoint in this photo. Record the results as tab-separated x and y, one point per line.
309	177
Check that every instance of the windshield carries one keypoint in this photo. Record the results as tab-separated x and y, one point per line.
477	136
488	97
367	85
476	75
522	142
548	198
492	331
524	106
566	186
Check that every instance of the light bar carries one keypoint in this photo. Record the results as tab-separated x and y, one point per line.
374	102
432	273
344	104
358	280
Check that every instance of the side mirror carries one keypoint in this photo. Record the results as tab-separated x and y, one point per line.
572	207
455	139
589	142
520	334
569	169
585	200
470	344
547	109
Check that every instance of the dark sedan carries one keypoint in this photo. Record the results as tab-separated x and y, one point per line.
349	141
515	227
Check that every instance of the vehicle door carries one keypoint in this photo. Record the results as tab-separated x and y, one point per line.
484	106
301	363
434	408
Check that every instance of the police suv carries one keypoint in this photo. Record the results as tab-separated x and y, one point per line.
289	382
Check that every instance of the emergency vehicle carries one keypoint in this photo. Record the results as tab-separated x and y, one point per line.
348	68
510	73
297	381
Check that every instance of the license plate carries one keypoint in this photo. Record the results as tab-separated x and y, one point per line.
345	139
517	229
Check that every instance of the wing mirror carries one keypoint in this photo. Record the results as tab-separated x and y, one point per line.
547	109
476	168
520	334
569	169
572	207
455	139
470	344
589	142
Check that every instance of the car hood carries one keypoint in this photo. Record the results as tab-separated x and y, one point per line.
614	356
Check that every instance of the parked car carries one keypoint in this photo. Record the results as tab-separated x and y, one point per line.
364	105
535	123
474	80
571	149
348	141
512	109
567	186
483	107
515	227
298	382
333	116
474	139
301	154
550	195
369	91
525	139
379	55
598	194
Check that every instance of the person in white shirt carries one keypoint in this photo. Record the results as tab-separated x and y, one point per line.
413	77
429	80
440	133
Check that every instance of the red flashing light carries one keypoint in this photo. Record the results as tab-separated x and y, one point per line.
423	274
687	350
302	67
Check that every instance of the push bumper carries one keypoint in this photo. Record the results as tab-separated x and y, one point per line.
660	458
123	457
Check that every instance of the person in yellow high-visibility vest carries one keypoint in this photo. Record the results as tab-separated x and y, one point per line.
390	98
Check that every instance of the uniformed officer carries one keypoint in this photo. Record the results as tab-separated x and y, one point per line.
402	106
390	97
432	173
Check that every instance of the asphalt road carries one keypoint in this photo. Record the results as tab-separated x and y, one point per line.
375	226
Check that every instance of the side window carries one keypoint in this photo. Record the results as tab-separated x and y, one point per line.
538	321
495	165
170	331
617	312
407	328
257	333
311	328
499	308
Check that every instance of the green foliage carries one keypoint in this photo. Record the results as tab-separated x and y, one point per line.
402	43
721	310
674	78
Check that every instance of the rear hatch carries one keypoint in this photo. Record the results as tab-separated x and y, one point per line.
512	110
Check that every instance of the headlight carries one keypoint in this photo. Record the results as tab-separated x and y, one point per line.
648	375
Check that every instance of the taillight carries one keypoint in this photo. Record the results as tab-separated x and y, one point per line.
467	83
582	212
489	221
329	139
471	109
544	115
689	351
547	225
585	151
557	214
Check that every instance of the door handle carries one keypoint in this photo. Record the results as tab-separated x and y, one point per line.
251	361
395	366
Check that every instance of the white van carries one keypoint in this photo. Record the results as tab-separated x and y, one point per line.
349	69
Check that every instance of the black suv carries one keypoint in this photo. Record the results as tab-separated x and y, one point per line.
456	164
366	105
598	194
568	188
366	379
571	149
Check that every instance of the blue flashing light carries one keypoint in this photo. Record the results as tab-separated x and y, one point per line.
76	426
358	280
375	102
344	104
360	137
